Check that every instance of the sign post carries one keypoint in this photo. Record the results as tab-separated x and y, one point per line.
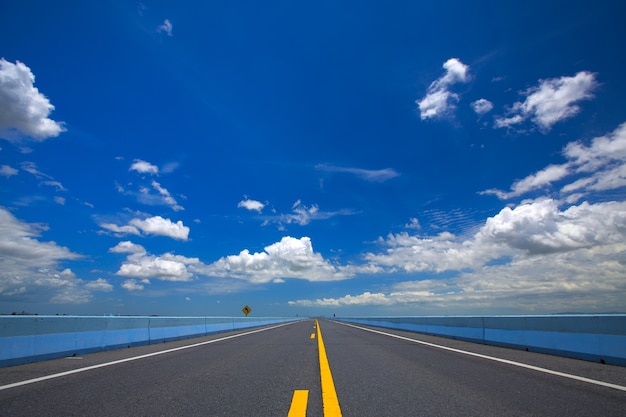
246	310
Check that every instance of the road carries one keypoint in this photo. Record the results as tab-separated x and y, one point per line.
278	371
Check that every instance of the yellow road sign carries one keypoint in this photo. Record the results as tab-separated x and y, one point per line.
246	310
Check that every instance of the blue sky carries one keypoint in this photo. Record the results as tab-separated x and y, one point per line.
381	158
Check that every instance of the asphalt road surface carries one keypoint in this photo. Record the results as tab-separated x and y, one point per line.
278	371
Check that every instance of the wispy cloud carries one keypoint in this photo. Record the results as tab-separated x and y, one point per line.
24	110
154	194
167	197
302	215
552	101
166	27
599	166
379	175
439	100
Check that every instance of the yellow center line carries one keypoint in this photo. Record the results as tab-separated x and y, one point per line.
298	403
329	395
312	335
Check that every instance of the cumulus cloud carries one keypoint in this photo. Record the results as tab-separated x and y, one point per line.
582	280
24	110
413	224
30	268
439	100
132	285
542	227
100	284
145	266
166	267
534	256
597	167
539	227
289	258
380	175
144	167
367	298
166	27
482	106
127	247
159	226
251	205
156	225
552	101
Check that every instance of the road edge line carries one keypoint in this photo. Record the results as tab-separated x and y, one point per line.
133	358
492	358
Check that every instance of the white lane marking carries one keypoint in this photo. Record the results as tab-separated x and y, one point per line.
478	355
134	358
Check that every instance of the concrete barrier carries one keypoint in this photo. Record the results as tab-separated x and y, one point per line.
598	338
25	339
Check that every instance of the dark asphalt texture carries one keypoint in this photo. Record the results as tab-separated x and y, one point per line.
256	374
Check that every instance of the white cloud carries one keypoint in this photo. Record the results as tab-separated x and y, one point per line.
289	258
159	226
132	285
120	230
166	267
439	100
603	150
18	244
59	200
541	227
31	168
154	194
144	167
251	205
554	100
589	280
167	197
24	110
379	175
7	171
127	247
166	27
536	256
536	228
367	298
598	167
482	106
156	225
55	184
100	284
413	224
30	269
540	179
303	214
